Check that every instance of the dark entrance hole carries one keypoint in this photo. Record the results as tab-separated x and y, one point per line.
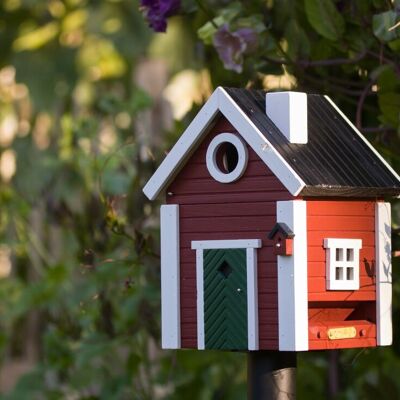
227	157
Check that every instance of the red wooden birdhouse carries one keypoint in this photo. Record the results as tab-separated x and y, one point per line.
275	234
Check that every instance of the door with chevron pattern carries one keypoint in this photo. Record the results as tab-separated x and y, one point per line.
225	299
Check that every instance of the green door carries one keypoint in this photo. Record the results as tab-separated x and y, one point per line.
225	299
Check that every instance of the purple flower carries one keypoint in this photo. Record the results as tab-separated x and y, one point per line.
157	12
231	46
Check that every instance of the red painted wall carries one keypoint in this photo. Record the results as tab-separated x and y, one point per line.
341	219
209	210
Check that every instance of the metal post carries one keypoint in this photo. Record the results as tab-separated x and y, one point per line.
271	375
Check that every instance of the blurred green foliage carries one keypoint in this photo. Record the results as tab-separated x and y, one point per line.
83	125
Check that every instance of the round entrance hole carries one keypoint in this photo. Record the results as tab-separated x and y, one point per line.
226	157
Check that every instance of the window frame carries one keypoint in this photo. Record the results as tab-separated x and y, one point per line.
341	247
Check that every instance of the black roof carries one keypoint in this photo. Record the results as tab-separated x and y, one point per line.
335	161
281	227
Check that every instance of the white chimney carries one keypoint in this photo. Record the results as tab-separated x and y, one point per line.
288	111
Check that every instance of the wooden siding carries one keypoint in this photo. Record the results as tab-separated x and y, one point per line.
209	210
341	219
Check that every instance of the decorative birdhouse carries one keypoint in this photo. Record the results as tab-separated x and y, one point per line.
275	234
283	239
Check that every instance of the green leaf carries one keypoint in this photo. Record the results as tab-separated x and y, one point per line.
395	45
388	80
382	23
255	22
389	104
231	11
228	14
297	40
139	101
282	11
208	30
325	18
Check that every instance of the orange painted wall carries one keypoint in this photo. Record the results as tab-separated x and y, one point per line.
341	219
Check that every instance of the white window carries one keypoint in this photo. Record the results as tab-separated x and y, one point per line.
342	264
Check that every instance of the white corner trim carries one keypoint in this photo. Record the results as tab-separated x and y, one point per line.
170	285
221	101
292	279
252	299
226	244
211	157
182	147
288	111
383	257
347	263
363	138
258	142
252	292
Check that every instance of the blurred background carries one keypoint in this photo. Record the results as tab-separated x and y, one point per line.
92	95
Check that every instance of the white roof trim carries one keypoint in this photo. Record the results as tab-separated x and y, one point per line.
363	138
221	101
185	143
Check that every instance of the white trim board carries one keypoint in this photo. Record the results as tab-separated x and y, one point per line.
252	293
170	282
226	244
222	102
292	279
383	257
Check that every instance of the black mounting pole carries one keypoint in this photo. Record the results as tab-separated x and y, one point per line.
271	375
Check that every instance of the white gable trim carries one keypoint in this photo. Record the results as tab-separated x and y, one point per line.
182	148
363	138
383	250
221	101
292	279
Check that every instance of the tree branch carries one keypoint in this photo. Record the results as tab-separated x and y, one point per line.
319	63
332	61
378	129
207	12
360	103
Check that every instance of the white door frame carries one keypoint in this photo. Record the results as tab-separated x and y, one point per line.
252	293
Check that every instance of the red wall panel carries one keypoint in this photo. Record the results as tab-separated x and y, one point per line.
209	210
